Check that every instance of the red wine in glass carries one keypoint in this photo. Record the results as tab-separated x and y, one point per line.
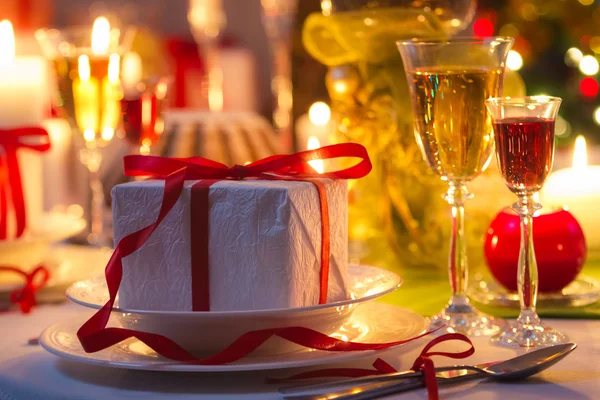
525	149
139	119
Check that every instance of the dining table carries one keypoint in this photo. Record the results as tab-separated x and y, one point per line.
28	372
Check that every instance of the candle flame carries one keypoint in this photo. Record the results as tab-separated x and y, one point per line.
83	67
7	42
319	113
580	153
314	143
100	36
113	68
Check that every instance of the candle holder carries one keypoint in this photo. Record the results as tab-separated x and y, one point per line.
87	63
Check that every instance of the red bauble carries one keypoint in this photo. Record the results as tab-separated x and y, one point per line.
559	248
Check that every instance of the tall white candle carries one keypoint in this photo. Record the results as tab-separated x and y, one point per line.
24	101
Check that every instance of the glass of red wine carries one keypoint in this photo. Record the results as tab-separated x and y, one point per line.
524	131
141	109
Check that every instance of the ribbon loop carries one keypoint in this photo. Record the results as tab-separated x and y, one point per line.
11	186
34	281
423	363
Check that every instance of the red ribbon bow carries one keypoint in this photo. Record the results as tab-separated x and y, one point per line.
95	336
34	281
422	363
10	176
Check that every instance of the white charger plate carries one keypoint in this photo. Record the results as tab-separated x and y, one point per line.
30	249
220	328
371	323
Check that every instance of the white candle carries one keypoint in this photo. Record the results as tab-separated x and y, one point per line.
578	190
316	124
24	101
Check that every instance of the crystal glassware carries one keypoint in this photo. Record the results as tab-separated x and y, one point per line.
141	109
207	20
524	129
449	81
87	63
453	15
278	20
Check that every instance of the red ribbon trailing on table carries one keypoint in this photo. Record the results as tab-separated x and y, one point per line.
95	336
33	138
34	281
423	363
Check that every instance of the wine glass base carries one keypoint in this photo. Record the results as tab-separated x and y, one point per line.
519	335
470	323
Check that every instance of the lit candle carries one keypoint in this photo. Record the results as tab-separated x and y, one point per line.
317	124
24	101
578	190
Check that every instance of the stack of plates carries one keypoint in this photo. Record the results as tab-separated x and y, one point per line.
358	319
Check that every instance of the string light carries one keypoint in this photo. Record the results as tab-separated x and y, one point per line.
597	115
589	65
514	61
573	56
589	87
483	27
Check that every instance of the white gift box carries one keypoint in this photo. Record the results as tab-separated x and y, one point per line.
264	245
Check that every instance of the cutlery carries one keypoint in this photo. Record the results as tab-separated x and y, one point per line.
372	387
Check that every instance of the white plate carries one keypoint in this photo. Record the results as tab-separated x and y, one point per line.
371	323
365	283
30	249
222	327
66	264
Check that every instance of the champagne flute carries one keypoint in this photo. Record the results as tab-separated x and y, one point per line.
449	81
524	128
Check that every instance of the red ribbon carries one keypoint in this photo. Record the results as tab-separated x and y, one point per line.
34	281
10	176
422	363
95	336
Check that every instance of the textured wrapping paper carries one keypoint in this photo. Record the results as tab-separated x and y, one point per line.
264	245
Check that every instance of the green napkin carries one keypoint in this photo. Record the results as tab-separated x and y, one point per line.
427	292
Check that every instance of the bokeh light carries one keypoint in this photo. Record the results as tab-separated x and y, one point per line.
483	27
514	61
589	65
573	56
589	87
597	115
586	2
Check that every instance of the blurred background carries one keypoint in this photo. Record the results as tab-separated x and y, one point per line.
556	48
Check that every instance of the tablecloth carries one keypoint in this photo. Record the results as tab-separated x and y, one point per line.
27	372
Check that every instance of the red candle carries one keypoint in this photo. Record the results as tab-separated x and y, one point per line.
559	244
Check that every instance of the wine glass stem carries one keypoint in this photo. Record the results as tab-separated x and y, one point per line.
527	279
97	227
457	261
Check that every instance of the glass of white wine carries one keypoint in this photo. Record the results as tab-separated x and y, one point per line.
449	82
